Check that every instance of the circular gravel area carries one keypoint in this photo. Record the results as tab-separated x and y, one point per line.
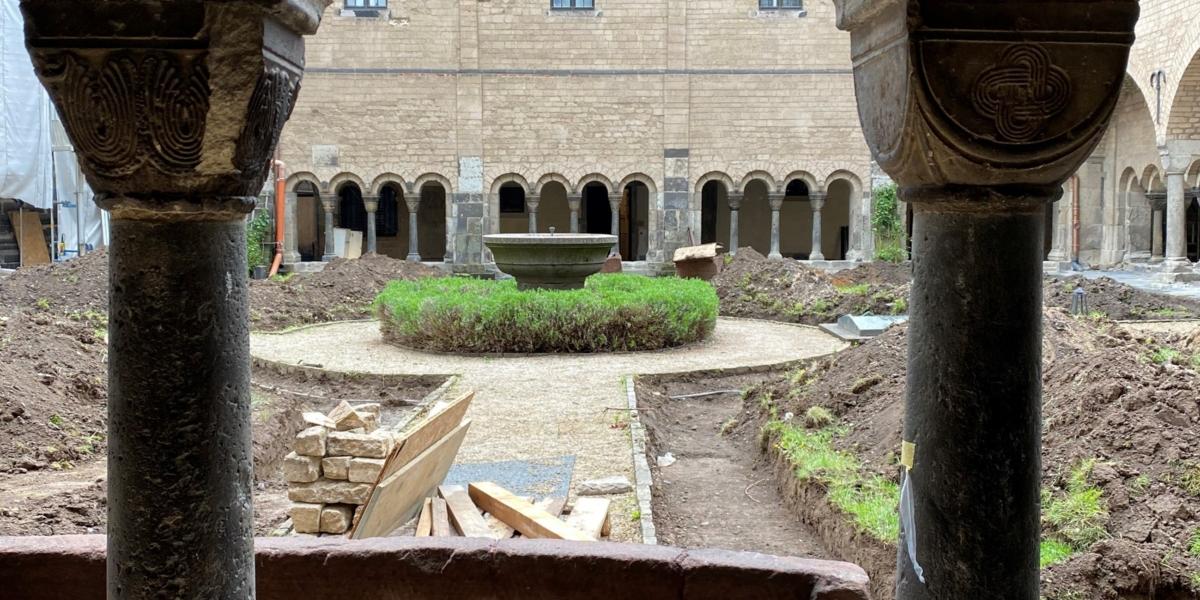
545	406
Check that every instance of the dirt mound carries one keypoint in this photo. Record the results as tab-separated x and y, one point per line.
1105	401
344	290
788	290
53	389
78	285
1117	300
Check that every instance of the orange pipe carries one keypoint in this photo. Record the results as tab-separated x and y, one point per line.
280	187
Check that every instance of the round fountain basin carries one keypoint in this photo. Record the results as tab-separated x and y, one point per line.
550	261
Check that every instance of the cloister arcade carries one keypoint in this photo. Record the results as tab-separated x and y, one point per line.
777	216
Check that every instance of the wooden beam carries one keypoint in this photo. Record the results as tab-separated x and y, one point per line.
526	518
398	498
464	514
432	429
589	515
425	521
441	519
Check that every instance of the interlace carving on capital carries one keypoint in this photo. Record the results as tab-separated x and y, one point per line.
1022	93
131	108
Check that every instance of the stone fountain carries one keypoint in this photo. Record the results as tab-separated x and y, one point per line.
550	261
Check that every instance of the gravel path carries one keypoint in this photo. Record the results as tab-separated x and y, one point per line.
545	406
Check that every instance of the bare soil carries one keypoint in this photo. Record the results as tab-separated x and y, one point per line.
721	492
53	385
344	290
789	290
1103	400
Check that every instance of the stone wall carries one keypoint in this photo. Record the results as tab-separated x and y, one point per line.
73	568
660	91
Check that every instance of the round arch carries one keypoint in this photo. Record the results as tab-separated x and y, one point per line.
295	179
763	176
809	181
594	178
505	218
638	219
553	178
424	180
385	179
341	179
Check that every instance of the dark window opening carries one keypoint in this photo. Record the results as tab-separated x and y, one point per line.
352	214
387	217
708	212
512	199
366	8
572	4
773	4
796	188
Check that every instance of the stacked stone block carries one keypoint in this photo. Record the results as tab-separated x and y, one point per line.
334	467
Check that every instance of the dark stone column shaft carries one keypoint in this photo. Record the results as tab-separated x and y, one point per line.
532	204
330	253
818	205
414	252
974	398
180	521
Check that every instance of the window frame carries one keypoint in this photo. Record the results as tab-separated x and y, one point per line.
778	5
367	4
573	5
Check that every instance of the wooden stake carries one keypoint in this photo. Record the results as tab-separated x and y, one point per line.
526	518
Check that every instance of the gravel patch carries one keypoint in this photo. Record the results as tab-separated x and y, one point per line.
543	406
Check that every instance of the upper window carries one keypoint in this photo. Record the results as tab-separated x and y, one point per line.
797	4
366	4
577	4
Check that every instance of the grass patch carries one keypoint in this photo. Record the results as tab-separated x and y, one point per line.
871	501
1170	313
818	417
1163	355
1052	552
1194	546
613	313
1078	517
861	289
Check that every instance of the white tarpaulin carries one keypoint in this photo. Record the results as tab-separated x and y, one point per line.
37	163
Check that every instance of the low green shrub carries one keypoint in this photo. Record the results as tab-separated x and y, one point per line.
257	229
1052	552
613	313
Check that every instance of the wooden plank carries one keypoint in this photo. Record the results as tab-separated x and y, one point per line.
425	521
526	518
398	498
589	515
440	526
432	429
31	237
553	506
464	515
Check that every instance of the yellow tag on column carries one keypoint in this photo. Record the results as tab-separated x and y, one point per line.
908	453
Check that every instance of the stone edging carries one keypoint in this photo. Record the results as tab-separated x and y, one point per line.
307	326
643	477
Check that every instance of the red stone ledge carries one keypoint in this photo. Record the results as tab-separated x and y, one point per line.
72	568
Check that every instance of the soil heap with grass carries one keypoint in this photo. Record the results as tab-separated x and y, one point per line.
1121	467
788	290
1115	300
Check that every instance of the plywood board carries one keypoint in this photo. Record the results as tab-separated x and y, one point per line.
440	525
425	521
432	429
523	516
589	515
464	515
396	499
31	239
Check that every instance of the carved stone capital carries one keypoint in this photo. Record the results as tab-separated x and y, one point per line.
413	201
371	203
776	200
986	93
532	201
817	200
173	103
574	201
1174	163
735	200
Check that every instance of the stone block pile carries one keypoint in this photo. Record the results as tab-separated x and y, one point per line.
334	467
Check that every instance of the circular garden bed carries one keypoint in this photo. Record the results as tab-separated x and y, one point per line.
612	313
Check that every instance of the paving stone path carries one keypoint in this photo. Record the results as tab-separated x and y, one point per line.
546	406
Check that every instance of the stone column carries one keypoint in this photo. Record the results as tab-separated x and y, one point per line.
173	115
939	88
532	202
291	242
776	201
735	204
573	202
414	205
1060	252
371	203
818	204
614	207
1156	237
1175	166
328	206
